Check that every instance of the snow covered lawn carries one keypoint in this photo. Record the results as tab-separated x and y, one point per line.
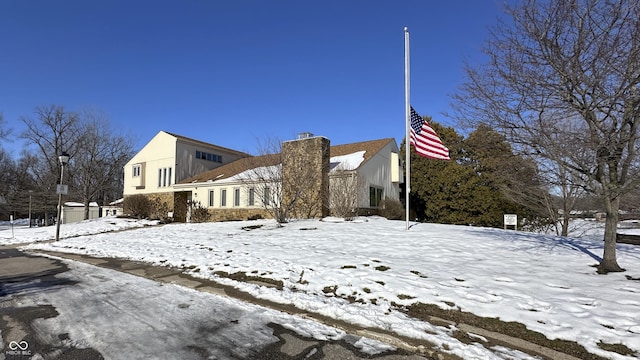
354	271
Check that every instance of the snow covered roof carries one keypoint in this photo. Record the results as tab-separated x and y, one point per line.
343	157
77	204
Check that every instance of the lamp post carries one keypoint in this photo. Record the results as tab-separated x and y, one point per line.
64	159
30	193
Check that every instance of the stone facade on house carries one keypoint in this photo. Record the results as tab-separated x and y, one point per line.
305	175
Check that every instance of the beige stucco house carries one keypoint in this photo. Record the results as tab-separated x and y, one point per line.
168	159
229	192
176	171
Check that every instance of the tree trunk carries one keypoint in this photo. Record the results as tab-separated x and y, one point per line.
565	223
86	209
609	262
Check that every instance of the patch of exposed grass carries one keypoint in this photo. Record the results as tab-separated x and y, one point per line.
617	348
415	272
330	289
242	276
379	282
382	268
251	227
348	267
511	328
367	290
405	297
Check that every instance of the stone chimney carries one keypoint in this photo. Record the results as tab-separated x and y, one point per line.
305	175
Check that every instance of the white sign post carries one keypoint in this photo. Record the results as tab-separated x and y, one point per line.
511	220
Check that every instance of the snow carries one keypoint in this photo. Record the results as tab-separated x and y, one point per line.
547	283
78	204
128	317
347	162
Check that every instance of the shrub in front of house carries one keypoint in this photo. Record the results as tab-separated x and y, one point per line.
392	209
137	206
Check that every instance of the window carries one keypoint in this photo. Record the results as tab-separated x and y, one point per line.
236	197
211	198
208	156
252	197
223	197
375	196
267	196
164	177
136	170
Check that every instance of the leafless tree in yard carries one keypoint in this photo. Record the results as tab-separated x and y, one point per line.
99	164
262	175
563	83
97	152
282	197
344	186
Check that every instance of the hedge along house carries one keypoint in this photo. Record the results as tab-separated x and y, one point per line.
319	177
167	159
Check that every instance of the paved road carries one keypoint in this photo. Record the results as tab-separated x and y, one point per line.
53	309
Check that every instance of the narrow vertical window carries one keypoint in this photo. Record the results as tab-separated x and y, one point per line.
223	197
252	197
267	196
211	198
169	180
236	197
164	177
136	170
159	177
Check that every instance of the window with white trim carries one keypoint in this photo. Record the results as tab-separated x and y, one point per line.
223	197
236	197
211	203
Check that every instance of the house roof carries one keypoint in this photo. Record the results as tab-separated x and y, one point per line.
370	148
194	141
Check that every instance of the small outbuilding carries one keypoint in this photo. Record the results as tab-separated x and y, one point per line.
73	212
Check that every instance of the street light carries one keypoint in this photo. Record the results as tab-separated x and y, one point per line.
30	193
64	159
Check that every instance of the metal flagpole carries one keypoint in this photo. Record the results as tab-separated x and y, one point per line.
407	110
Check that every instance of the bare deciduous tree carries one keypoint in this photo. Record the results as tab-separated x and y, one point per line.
345	186
97	152
98	165
563	83
265	178
4	131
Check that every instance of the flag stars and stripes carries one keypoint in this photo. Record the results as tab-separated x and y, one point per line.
425	140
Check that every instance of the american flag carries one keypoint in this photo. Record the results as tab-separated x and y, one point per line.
425	140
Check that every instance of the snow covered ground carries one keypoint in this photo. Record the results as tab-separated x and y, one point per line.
123	316
545	282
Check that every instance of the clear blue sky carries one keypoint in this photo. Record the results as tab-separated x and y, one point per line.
233	72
